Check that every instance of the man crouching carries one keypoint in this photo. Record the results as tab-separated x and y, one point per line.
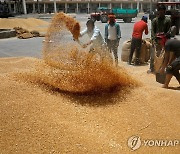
171	61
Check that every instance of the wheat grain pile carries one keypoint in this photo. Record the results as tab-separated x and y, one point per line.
42	119
30	24
45	107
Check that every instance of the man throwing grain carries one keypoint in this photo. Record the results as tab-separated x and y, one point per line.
96	40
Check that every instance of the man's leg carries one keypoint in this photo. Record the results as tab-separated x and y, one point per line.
172	69
152	54
109	45
177	75
167	80
133	45
138	50
176	70
115	51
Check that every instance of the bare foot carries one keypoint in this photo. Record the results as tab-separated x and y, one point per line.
165	86
150	72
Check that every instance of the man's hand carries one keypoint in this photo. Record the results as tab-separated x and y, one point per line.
85	45
162	70
117	44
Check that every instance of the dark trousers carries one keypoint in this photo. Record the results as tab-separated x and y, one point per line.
174	68
135	45
113	47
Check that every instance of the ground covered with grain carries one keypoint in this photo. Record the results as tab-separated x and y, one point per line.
29	24
37	118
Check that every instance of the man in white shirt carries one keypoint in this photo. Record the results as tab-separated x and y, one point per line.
112	36
96	40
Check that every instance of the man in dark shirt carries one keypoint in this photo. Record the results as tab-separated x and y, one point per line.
171	62
160	24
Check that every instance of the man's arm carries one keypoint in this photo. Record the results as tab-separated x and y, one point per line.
171	58
165	62
146	30
118	31
96	32
153	29
106	33
168	27
83	32
166	59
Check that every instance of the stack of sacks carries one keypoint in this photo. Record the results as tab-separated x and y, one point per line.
25	34
145	50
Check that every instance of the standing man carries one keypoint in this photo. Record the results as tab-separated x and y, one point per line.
160	24
112	36
96	40
171	63
139	28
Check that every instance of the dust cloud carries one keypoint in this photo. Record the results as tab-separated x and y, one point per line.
69	67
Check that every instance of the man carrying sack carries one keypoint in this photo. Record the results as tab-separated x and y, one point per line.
160	26
139	28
